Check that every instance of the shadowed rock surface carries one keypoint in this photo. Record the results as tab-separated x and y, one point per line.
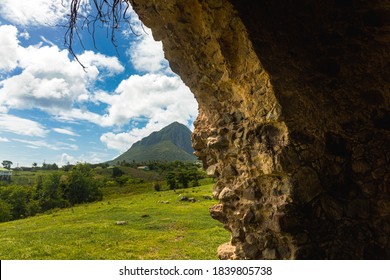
294	120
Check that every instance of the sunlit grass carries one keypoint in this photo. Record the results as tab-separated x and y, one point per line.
153	230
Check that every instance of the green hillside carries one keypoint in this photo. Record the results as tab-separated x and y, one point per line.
158	226
162	151
169	144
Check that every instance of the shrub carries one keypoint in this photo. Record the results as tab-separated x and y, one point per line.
157	186
116	172
5	212
33	208
17	197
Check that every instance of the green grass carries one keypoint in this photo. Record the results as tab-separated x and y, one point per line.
154	230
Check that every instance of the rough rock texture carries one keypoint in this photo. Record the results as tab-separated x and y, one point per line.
294	120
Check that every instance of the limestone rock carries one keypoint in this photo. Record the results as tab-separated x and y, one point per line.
226	251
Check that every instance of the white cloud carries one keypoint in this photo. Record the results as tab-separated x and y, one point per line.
145	53
154	96
3	139
120	141
91	157
32	147
49	80
65	131
160	98
20	126
43	144
50	43
9	47
65	159
81	115
25	35
97	61
36	12
157	98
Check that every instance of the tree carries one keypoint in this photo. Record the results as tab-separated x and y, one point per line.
157	186
51	192
183	178
116	172
7	164
67	167
195	180
81	186
171	180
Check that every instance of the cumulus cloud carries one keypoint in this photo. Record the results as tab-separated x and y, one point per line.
9	47
146	54
96	61
25	35
65	159
91	157
65	131
21	126
119	141
157	98
48	79
37	12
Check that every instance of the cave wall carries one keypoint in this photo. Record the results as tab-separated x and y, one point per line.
293	120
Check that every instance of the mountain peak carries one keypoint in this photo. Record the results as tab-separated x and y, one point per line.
175	125
171	143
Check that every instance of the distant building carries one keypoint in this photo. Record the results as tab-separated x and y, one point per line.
5	174
145	168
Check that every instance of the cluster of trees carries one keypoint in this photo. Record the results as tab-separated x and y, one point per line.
54	190
182	179
7	164
177	174
69	166
180	174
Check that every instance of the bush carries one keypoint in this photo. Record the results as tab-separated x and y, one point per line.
17	197
5	212
157	186
33	208
116	172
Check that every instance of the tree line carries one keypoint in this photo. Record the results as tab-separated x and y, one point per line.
54	190
177	174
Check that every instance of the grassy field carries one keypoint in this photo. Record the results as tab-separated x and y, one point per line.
158	226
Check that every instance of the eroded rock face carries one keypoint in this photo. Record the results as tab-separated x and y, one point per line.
294	120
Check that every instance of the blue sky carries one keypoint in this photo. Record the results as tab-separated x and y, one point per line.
52	110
